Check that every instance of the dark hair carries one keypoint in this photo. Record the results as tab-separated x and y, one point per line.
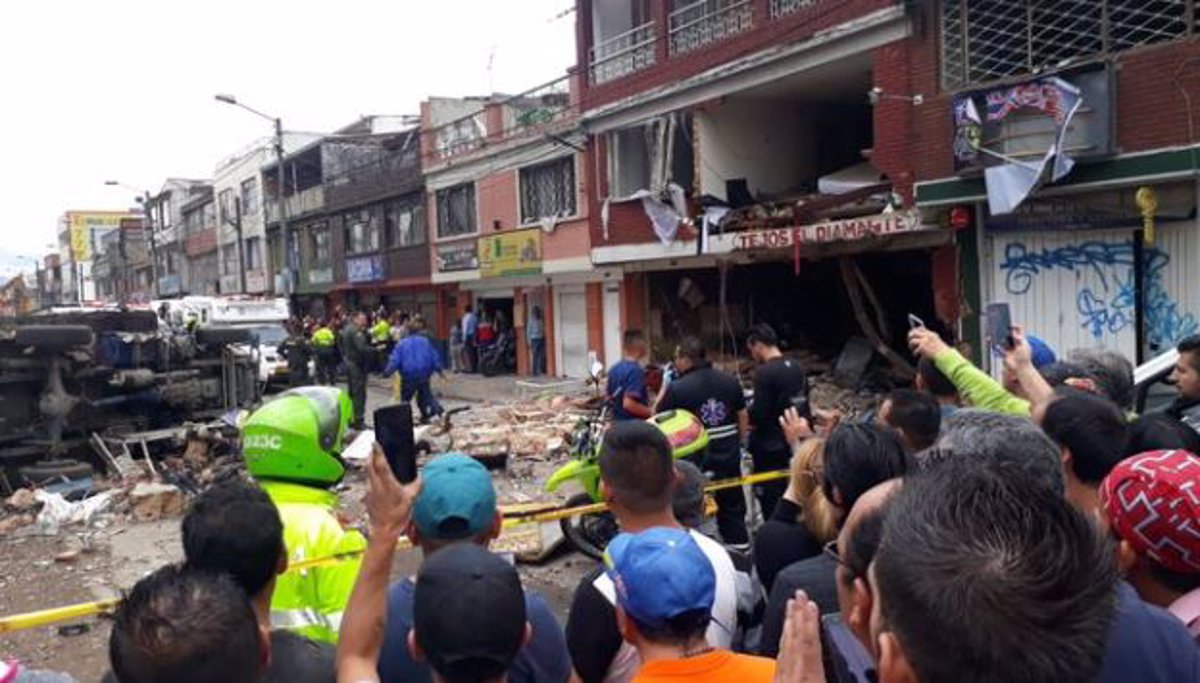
859	456
1190	345
234	528
185	626
677	630
985	575
1057	373
687	500
1008	441
636	462
863	540
632	337
692	349
1160	432
1092	428
764	334
1111	371
935	381
918	414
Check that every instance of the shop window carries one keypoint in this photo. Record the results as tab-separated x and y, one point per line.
548	190
456	210
404	223
361	232
318	243
985	40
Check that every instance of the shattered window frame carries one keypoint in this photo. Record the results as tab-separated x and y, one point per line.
548	190
983	41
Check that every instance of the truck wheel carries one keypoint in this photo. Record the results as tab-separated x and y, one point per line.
54	337
217	336
51	471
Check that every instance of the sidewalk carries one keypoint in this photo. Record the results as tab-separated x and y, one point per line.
500	389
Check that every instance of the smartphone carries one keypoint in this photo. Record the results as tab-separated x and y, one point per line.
847	661
915	323
999	326
394	432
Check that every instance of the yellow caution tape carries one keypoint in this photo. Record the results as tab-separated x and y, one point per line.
20	622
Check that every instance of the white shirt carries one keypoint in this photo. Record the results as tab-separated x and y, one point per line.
724	611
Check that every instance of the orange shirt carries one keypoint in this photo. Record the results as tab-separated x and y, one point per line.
718	666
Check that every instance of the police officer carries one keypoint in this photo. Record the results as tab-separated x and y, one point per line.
292	446
716	398
324	343
357	353
298	352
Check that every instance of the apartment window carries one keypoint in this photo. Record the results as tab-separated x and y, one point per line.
548	190
252	253
318	244
985	40
650	156
249	196
456	210
404	223
229	259
225	206
361	232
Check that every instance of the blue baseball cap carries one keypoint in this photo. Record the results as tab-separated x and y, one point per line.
659	574
1042	354
457	498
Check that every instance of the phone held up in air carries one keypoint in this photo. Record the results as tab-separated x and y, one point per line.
915	323
394	432
999	326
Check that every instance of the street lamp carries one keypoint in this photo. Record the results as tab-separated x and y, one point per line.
279	199
143	198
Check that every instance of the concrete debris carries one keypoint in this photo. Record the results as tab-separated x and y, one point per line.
22	501
58	511
68	556
150	502
10	524
196	455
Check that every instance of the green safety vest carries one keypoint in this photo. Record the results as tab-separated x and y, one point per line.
323	336
311	602
381	331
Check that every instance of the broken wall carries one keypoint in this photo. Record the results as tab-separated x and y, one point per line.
770	143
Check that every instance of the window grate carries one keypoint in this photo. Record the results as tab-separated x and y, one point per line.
456	210
987	40
697	24
548	190
782	7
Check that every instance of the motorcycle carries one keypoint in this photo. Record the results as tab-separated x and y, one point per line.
500	357
591	532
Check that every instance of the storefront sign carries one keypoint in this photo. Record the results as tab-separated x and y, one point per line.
320	276
169	284
86	228
459	256
256	280
1115	208
364	269
848	230
511	253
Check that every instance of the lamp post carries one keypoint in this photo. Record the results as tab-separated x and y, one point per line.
143	198
279	198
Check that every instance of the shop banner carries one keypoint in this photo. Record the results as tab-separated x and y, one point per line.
511	253
365	269
320	276
457	256
847	230
82	226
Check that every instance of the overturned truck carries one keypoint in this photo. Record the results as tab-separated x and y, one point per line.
69	374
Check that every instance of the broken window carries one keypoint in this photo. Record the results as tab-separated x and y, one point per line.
456	210
361	231
318	241
403	223
548	190
984	40
460	136
651	156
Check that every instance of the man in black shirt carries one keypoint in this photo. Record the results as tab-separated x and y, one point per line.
716	398
778	383
1186	378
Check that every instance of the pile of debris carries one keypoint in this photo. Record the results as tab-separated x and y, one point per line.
527	429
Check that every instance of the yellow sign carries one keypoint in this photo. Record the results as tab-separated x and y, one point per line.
511	253
84	227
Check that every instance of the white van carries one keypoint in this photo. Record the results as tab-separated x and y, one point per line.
265	317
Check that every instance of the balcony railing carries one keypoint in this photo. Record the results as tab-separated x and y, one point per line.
782	7
701	23
305	201
623	54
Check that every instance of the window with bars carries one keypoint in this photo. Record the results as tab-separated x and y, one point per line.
361	232
456	210
548	190
986	40
404	223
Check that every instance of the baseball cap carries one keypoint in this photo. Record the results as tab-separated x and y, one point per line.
468	612
457	499
1041	352
1151	503
660	574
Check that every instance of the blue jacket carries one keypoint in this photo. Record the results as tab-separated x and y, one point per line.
415	356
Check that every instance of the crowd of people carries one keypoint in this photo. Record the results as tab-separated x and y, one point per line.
1028	529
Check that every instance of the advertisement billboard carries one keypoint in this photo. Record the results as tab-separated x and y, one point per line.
85	228
518	252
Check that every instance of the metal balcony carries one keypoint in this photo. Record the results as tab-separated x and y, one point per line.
702	23
305	201
781	7
623	54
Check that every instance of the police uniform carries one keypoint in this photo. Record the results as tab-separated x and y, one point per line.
325	346
357	353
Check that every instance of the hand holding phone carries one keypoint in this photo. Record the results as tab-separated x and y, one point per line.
394	432
915	323
999	326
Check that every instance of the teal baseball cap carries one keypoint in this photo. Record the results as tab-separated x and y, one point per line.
457	498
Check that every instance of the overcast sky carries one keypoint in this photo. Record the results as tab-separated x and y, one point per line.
123	89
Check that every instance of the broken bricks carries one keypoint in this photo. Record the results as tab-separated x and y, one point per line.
149	502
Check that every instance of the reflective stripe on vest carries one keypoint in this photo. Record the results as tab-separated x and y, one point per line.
294	619
723	432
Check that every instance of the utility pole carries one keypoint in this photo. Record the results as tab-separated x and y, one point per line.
150	242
